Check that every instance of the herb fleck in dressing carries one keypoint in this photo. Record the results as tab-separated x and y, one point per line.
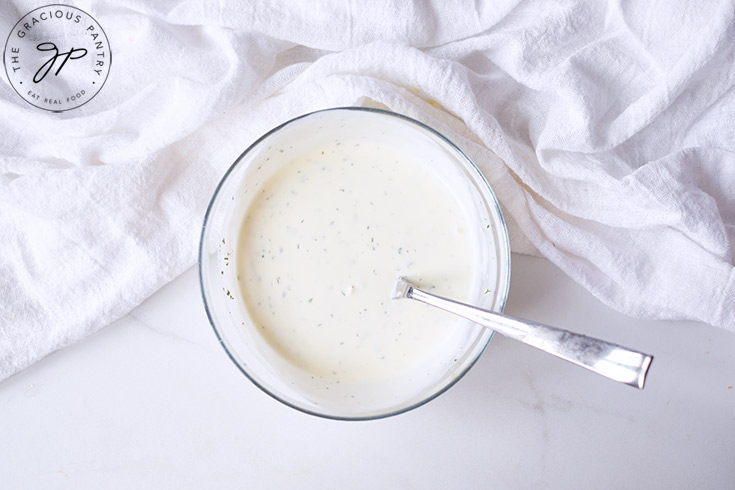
321	246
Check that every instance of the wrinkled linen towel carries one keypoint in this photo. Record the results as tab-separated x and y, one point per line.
607	130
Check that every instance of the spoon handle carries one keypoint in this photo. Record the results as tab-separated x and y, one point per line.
605	358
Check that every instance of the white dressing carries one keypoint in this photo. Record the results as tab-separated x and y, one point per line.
321	245
304	240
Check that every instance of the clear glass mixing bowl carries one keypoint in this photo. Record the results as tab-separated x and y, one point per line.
218	259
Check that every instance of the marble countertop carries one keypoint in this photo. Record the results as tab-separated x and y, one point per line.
152	401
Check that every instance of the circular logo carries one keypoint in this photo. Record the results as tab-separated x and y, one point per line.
57	57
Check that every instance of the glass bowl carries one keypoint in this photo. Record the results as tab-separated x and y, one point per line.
426	368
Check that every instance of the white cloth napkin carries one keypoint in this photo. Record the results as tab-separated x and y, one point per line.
607	130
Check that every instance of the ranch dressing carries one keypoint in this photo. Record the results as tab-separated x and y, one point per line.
320	247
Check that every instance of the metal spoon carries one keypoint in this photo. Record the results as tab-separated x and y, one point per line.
607	359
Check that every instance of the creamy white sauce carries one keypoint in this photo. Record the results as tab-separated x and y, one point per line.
322	244
327	219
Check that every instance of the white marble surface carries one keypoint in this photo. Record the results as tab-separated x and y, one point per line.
152	402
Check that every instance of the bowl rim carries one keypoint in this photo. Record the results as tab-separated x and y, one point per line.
505	246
